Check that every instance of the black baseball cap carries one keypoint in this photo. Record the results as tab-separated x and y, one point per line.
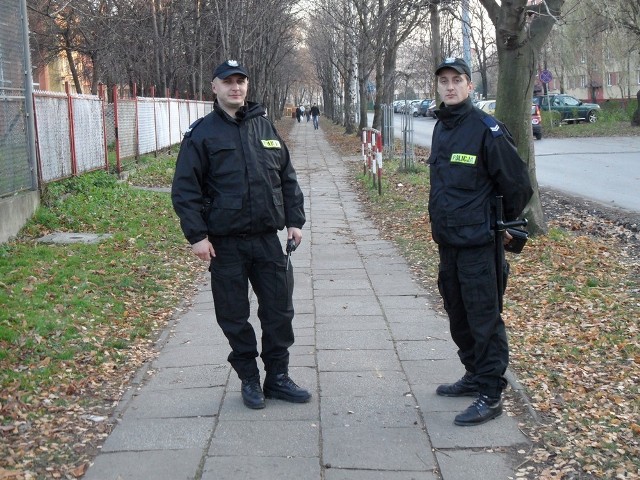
227	68
457	64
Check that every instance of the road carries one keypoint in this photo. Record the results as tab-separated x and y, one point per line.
602	169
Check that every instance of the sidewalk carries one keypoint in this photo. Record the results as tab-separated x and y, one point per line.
368	346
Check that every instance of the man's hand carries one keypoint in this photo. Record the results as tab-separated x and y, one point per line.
506	237
295	233
203	250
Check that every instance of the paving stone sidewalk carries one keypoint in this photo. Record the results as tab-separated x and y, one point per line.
368	345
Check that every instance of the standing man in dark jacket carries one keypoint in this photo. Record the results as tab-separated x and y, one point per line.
233	189
473	160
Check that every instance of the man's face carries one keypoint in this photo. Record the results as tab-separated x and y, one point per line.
453	87
231	91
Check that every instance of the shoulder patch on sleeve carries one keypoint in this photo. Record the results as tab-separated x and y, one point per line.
492	124
187	133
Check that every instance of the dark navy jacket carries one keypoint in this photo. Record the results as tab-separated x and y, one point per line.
473	159
234	176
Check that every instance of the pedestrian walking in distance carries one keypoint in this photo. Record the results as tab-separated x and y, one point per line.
315	113
234	188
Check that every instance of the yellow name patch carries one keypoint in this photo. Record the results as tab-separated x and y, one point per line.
270	143
463	159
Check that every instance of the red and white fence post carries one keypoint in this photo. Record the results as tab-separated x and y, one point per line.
372	155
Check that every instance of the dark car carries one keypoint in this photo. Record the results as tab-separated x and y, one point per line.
570	108
423	107
431	111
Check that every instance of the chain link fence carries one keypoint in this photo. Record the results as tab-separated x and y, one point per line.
16	164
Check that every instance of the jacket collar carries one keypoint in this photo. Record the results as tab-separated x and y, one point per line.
248	110
453	115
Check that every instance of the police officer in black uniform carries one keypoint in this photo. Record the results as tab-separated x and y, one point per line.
234	188
473	160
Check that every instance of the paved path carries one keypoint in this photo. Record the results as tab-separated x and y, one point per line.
368	346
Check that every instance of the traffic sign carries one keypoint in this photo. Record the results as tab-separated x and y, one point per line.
545	76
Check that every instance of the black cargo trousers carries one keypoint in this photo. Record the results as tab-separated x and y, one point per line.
468	286
258	259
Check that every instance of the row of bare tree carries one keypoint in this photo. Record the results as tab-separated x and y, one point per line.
172	45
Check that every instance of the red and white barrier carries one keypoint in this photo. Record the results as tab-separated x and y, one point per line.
372	155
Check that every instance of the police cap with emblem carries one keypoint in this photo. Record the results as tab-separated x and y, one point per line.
457	64
227	68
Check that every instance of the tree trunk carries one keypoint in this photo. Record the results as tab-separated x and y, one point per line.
157	47
377	111
436	54
72	66
635	121
517	117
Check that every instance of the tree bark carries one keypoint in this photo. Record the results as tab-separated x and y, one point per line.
635	121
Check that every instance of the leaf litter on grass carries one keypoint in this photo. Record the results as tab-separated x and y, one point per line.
78	321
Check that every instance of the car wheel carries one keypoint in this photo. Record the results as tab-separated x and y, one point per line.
538	136
592	116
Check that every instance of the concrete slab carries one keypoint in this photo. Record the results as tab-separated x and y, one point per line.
475	464
347	306
248	467
369	411
186	355
354	339
429	349
351	474
188	402
179	464
167	434
199	376
296	438
357	360
500	432
377	448
369	383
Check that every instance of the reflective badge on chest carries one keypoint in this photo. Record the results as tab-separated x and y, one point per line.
271	144
463	159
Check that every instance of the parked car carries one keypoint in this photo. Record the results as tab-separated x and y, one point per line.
431	111
481	103
488	106
409	106
570	108
413	107
423	106
406	105
397	105
536	121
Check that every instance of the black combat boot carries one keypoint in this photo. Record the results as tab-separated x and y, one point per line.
282	387
482	410
465	387
252	395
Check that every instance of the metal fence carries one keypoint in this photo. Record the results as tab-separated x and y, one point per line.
75	133
16	162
